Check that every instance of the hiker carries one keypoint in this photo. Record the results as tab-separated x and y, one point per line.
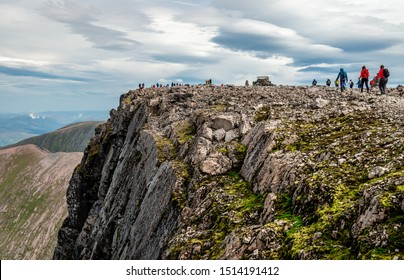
314	83
328	82
359	83
364	76
351	83
247	83
343	77
383	79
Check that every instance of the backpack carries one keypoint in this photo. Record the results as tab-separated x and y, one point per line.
386	73
366	74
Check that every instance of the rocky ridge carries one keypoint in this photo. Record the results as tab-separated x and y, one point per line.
206	172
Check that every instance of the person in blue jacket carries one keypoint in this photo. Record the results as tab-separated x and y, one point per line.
343	77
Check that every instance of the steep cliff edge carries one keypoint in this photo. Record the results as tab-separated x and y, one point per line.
208	172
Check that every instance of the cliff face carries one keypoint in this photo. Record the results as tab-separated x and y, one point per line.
229	172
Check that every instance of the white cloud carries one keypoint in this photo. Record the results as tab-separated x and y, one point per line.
72	48
35	116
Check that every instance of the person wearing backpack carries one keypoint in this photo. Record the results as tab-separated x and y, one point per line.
359	83
383	76
343	77
314	83
364	75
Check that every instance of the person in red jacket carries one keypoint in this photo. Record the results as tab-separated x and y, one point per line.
364	75
383	80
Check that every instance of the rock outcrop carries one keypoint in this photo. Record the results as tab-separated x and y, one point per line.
207	172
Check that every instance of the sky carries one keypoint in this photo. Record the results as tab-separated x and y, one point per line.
69	55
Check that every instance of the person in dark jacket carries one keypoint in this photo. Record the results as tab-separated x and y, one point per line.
364	75
382	80
343	77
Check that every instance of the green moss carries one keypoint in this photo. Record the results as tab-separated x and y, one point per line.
107	135
283	205
94	152
378	253
179	195
223	150
181	169
396	234
184	131
241	151
263	114
291	148
220	107
385	200
239	201
165	148
127	100
253	202
233	206
330	189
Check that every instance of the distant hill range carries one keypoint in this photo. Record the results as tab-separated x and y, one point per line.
33	185
17	127
71	138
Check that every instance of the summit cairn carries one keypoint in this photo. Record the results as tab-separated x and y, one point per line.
263	81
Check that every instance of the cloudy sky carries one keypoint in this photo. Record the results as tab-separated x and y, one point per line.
81	55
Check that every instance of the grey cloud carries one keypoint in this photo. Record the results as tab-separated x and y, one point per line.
183	59
324	70
303	53
11	71
249	42
79	18
363	45
103	38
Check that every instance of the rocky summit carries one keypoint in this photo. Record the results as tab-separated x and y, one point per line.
207	172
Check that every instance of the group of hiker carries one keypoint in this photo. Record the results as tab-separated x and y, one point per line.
160	85
363	80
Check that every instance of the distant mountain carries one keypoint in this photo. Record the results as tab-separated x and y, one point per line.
7	138
71	138
16	127
33	185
